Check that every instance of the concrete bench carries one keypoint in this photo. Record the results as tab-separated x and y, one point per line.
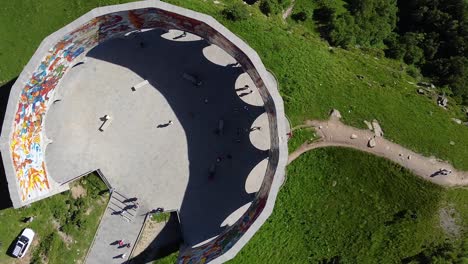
106	123
139	85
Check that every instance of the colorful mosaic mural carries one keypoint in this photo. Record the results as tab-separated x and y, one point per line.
27	140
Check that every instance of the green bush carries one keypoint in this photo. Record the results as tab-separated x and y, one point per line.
414	72
324	14
266	7
235	12
76	218
161	217
300	16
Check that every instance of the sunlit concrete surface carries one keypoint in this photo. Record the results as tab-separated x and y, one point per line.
177	35
245	89
259	133
255	178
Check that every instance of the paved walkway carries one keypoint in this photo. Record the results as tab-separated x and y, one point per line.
114	227
335	133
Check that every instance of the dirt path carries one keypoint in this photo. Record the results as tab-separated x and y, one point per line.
288	11
335	133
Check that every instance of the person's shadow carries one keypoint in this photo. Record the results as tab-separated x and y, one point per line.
163	125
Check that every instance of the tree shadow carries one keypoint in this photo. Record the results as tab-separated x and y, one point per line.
5	89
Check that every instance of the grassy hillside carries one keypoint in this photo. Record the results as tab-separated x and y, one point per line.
331	212
330	208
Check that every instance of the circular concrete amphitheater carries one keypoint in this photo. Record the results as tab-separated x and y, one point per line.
169	107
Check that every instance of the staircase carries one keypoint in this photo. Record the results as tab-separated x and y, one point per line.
123	206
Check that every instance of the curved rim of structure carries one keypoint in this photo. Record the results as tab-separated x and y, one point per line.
278	117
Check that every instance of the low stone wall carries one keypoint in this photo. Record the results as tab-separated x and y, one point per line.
24	139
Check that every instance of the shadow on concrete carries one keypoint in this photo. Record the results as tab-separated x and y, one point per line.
207	201
166	242
5	201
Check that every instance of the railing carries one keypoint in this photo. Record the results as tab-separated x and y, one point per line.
130	256
104	179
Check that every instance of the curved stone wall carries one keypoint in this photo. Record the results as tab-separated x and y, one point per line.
23	136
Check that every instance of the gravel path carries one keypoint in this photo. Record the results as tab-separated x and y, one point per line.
334	133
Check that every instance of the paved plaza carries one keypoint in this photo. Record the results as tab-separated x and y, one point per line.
196	144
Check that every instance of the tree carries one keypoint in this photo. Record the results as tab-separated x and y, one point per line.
235	12
366	23
343	31
444	27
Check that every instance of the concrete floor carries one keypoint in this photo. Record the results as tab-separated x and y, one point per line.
164	167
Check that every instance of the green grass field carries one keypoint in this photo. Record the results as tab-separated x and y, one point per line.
376	212
330	211
76	218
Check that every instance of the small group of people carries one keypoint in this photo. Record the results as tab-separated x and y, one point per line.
122	244
443	172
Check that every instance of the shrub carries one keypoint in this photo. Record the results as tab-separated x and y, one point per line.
266	7
300	16
414	72
235	12
324	14
161	217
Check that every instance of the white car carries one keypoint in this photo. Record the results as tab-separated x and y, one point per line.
23	242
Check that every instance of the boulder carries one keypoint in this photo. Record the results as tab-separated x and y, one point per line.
368	124
335	113
458	121
426	85
420	91
353	136
442	101
371	143
377	129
